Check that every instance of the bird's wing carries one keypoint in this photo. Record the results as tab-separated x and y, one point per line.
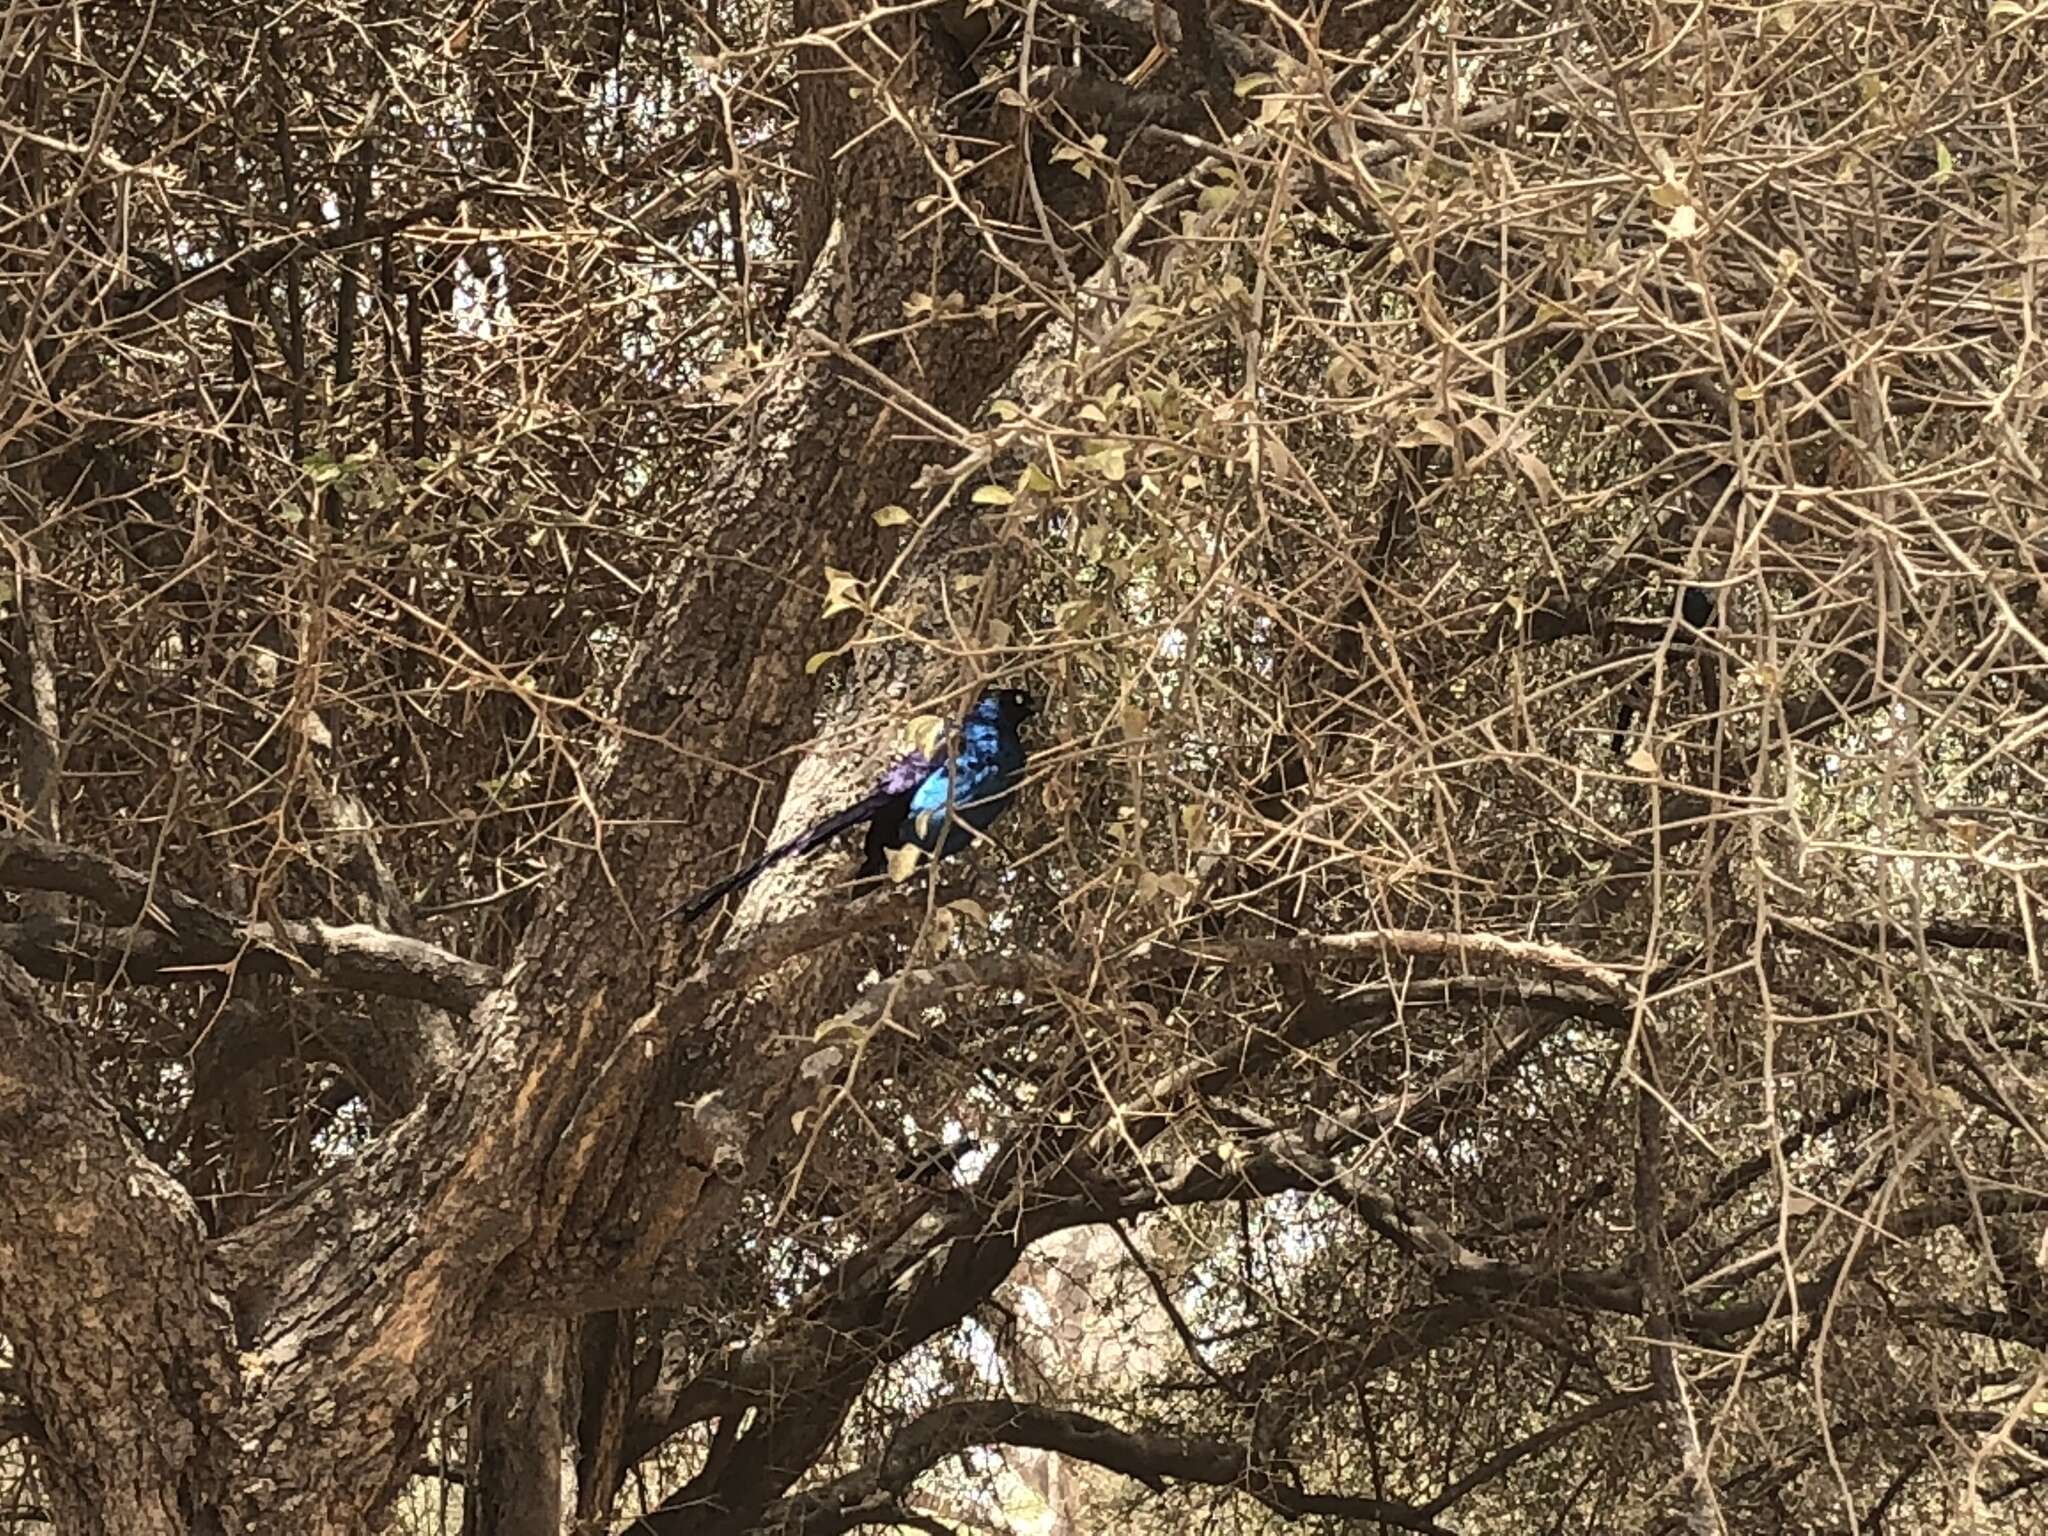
978	773
885	832
868	808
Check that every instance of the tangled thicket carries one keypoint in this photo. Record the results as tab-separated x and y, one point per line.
1460	1036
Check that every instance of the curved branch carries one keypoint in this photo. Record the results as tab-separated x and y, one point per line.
192	936
863	1497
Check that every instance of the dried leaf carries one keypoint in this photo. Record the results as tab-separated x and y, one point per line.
821	1063
842	592
923	733
903	862
1538	473
892	516
1424	431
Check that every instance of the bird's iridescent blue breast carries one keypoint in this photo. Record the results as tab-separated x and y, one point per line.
976	782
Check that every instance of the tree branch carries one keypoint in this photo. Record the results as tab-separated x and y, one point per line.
927	1275
1153	1459
167	301
195	937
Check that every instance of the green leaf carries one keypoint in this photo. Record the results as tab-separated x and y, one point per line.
991	496
892	516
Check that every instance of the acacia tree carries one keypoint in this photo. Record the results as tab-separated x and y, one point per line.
1511	1000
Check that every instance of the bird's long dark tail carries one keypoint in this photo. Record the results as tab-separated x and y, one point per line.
804	842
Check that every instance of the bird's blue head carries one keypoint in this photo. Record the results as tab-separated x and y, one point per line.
1003	706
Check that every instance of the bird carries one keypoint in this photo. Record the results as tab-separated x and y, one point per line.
1695	612
939	801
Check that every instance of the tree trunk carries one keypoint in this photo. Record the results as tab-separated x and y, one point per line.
523	1478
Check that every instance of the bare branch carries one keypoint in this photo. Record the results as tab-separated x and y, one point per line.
192	940
1153	1459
